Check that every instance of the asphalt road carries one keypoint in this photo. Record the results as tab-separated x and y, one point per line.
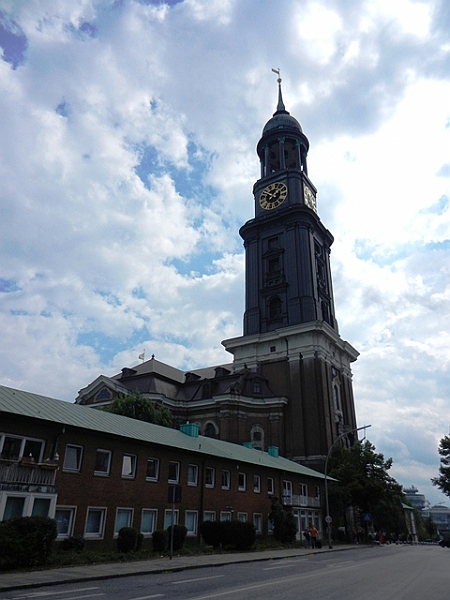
390	572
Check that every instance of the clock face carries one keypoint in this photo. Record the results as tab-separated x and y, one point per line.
310	199
273	195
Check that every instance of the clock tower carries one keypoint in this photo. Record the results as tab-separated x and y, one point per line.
291	334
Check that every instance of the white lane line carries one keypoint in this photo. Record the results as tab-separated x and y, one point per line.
43	594
197	579
147	597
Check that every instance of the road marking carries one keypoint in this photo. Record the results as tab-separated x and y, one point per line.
285	563
147	597
250	588
197	579
42	594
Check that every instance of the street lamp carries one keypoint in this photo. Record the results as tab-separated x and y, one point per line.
328	518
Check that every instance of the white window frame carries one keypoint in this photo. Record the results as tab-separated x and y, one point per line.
188	515
107	472
133	466
287	491
129	512
156	465
226	479
192	474
154	513
23	441
72	511
177	469
168	517
225	515
210	477
257	484
270	485
209	515
242	517
78	458
28	504
304	491
258	523
242	486
99	535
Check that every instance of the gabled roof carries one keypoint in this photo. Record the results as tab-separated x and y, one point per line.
34	406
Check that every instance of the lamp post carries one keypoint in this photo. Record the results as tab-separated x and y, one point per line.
328	518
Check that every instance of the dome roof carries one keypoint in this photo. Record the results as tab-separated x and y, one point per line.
282	119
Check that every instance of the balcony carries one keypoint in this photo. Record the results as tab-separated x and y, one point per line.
28	477
301	501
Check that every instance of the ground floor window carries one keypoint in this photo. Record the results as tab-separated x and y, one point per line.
124	518
242	517
95	522
16	504
258	522
41	507
170	516
190	522
225	515
64	517
14	507
148	521
209	515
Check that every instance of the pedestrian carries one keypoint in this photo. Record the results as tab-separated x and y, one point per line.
313	533
306	537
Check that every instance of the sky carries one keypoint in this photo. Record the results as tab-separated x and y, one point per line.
128	137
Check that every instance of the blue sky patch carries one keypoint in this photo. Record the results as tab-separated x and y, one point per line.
438	208
64	109
13	41
8	285
84	30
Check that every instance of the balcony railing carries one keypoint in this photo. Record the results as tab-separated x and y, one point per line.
299	501
21	476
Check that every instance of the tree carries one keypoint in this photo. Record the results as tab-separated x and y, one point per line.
284	525
443	481
136	406
365	485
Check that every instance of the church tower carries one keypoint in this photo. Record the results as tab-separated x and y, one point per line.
291	334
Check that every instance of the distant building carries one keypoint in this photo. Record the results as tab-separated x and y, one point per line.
417	500
440	515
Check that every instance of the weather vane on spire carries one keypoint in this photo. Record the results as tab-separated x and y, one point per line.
280	107
278	72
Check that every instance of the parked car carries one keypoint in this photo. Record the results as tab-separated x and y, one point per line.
444	543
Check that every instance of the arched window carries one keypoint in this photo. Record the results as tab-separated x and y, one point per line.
257	437
210	430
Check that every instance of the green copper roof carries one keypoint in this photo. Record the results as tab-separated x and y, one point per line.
35	406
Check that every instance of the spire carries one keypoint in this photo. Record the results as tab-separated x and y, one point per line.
281	109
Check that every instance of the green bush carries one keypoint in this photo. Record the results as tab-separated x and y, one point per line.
26	541
211	532
127	540
179	535
159	540
244	534
240	535
73	543
284	525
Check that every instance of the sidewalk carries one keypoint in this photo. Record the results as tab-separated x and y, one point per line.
35	579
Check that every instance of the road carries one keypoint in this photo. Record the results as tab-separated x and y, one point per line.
366	573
